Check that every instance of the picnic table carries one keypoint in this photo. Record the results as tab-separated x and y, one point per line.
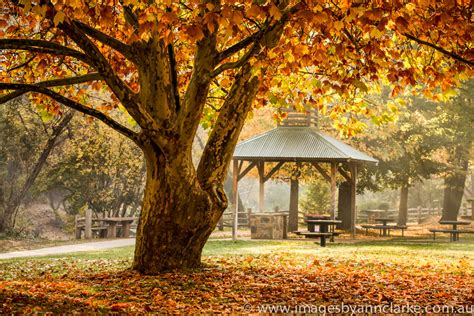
324	229
112	223
384	228
373	214
454	231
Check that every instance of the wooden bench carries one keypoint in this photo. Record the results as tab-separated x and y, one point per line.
101	231
453	233
387	227
321	236
96	226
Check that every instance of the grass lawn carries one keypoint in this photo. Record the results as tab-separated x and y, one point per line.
250	276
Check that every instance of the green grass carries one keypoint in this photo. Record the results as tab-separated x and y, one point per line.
384	249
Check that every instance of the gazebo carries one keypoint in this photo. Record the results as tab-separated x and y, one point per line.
297	140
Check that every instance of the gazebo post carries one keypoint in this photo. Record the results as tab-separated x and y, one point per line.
261	192
353	167
235	211
293	208
333	190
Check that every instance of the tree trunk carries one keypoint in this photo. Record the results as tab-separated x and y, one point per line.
344	205
293	217
403	207
453	193
177	215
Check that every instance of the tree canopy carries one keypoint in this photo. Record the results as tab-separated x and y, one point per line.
328	48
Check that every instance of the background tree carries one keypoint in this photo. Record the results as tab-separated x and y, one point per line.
428	139
163	61
405	151
27	141
455	121
97	169
317	196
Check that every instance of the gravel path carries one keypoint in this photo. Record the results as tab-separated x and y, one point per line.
91	246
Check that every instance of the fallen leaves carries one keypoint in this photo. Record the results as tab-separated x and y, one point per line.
225	284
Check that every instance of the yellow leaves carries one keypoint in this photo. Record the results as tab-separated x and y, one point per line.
361	86
39	10
255	11
274	12
447	94
75	3
376	33
210	6
338	25
59	18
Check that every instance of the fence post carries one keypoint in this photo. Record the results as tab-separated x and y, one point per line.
249	212
419	209
220	224
88	225
77	229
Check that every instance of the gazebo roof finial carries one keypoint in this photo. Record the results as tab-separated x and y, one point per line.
294	118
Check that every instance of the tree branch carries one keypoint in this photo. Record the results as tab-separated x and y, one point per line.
73	105
42	46
26	63
130	17
235	64
122	48
238	46
125	95
54	83
174	76
440	49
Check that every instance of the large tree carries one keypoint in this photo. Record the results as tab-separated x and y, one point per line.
28	139
457	137
405	151
171	63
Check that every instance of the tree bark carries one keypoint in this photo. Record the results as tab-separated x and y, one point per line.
293	217
344	205
177	215
453	193
403	207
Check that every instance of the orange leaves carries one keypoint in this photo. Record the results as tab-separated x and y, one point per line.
320	18
59	18
255	12
274	12
374	14
193	33
341	42
402	24
228	282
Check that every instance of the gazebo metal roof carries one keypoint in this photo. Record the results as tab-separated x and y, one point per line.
298	144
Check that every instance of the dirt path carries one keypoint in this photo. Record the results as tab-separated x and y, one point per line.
91	246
